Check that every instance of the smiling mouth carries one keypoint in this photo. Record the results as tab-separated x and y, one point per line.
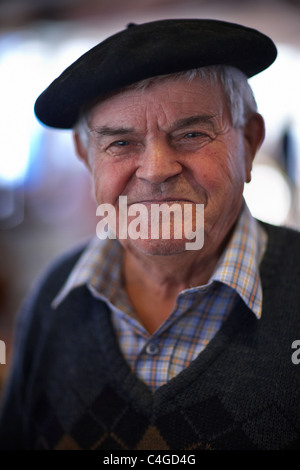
169	200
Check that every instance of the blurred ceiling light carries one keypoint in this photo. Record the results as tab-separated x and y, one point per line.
277	92
26	63
18	74
269	194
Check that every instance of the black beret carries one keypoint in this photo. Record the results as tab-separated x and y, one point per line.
147	50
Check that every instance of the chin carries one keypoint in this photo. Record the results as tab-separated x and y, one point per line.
157	247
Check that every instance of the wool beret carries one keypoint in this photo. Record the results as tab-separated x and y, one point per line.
147	50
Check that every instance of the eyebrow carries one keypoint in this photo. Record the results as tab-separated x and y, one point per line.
179	124
111	131
191	120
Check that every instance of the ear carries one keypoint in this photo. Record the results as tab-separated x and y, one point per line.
254	134
81	148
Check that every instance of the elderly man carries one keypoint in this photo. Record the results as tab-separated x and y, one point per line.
138	342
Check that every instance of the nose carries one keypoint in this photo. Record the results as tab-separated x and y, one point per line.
158	163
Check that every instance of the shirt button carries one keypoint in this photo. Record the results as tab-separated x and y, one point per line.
152	349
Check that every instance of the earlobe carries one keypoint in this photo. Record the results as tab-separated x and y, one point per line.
254	134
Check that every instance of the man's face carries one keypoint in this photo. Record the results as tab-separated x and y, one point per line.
172	142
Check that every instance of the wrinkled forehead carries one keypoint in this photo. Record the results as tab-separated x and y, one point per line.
162	100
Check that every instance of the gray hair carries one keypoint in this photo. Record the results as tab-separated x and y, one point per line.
238	93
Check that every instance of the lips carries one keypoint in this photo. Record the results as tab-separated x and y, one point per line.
168	200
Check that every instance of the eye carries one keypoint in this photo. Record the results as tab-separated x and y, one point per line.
120	143
122	148
192	140
192	135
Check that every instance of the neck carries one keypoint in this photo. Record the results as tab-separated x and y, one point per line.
154	282
169	273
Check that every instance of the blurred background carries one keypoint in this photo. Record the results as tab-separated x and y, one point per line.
46	204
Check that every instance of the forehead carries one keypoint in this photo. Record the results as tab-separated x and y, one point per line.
163	100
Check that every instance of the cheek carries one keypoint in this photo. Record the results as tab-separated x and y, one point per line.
110	179
208	172
222	168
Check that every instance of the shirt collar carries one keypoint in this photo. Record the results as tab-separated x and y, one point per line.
99	267
238	267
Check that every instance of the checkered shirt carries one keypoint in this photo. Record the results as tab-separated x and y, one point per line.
198	312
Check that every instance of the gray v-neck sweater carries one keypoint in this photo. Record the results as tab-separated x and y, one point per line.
71	388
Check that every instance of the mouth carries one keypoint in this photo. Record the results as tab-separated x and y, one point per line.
165	200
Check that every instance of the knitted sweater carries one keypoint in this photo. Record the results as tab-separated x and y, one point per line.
72	389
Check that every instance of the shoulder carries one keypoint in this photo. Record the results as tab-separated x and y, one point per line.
280	266
36	306
281	231
57	272
282	240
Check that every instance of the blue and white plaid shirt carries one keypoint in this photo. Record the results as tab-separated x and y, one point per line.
198	312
